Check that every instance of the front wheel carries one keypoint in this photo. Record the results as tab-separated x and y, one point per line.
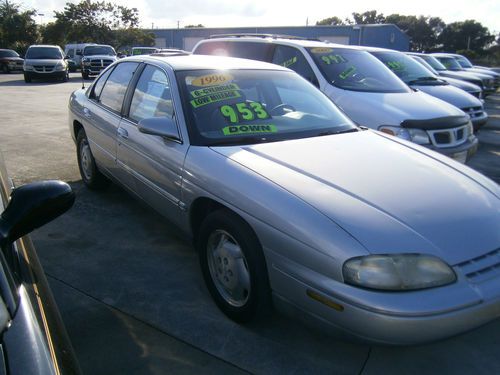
233	266
27	78
5	69
91	176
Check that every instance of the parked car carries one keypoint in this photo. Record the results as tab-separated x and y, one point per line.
143	50
467	65
471	88
45	62
10	61
75	51
452	64
287	200
95	58
363	87
33	337
417	77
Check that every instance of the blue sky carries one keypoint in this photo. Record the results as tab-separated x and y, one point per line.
227	13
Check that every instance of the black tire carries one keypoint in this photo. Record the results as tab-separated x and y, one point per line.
65	78
27	78
247	303
5	69
91	176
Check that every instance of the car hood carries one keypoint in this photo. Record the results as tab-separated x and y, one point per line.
483	71
376	109
42	61
450	94
385	193
458	74
461	84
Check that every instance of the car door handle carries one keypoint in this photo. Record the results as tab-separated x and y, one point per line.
122	133
86	112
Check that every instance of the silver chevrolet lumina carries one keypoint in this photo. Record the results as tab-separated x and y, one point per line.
288	202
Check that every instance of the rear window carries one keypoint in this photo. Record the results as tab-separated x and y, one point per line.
244	50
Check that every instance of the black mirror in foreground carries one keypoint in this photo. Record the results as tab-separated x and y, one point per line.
33	205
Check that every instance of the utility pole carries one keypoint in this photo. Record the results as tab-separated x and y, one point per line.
178	22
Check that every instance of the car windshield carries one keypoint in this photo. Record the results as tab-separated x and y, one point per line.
8	53
450	63
52	53
355	70
410	71
99	50
421	61
464	62
233	107
432	61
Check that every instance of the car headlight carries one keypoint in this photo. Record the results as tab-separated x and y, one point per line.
86	62
28	67
397	272
60	66
418	136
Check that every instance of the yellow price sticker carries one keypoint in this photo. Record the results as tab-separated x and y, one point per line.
212	80
322	50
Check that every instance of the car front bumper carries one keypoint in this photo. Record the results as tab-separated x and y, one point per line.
393	318
460	153
46	75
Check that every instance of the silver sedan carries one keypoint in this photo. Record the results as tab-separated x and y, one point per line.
292	205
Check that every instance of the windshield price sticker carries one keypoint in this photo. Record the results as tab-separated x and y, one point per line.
319	50
289	62
395	65
333	59
249	129
348	72
213	98
211	80
243	111
213	90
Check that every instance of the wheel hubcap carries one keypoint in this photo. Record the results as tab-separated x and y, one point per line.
86	160
228	268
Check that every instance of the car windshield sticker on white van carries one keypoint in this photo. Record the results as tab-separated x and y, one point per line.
348	72
249	129
396	66
289	62
213	88
244	111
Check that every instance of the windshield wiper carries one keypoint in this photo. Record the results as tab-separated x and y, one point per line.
241	141
331	132
423	79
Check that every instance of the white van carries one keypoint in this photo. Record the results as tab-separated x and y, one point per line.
74	52
362	86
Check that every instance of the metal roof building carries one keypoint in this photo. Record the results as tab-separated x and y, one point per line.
380	35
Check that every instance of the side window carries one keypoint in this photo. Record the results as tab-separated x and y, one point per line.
152	96
292	58
96	91
115	87
71	53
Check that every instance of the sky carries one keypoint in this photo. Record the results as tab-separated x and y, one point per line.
232	13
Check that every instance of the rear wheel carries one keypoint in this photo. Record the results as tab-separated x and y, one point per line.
233	266
91	176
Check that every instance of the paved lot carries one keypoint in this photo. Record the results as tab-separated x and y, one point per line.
130	290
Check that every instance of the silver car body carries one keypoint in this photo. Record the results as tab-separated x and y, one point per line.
316	202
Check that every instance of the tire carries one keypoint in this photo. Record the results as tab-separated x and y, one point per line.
234	267
27	78
5	69
85	75
65	78
91	176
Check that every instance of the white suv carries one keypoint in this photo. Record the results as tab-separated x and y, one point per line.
362	86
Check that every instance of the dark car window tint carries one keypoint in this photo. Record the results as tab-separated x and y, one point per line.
152	96
292	58
48	53
96	92
8	53
114	90
244	50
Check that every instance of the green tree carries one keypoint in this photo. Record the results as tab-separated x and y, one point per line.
17	29
330	21
368	17
466	35
98	22
423	31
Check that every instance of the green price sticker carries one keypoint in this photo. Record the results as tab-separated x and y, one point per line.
347	73
333	59
249	129
289	62
395	65
244	111
213	98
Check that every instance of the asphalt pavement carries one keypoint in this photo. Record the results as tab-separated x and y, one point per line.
131	293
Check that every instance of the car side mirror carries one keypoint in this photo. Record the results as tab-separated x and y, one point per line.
161	126
66	57
33	205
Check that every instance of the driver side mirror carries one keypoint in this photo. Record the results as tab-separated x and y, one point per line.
33	205
161	126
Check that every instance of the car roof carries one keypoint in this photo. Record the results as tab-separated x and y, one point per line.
44	46
375	49
306	43
198	62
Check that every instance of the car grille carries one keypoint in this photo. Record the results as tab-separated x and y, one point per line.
449	137
473	112
482	268
477	94
100	63
43	68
